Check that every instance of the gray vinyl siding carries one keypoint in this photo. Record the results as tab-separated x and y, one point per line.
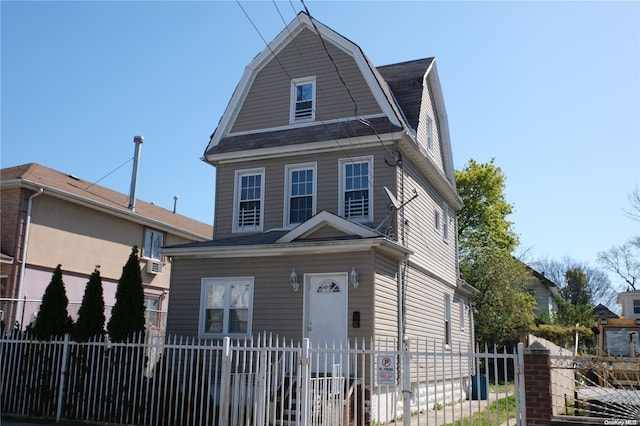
267	104
428	111
327	185
386	297
431	252
426	311
276	307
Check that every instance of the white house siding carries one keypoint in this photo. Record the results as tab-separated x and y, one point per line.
267	104
277	308
327	185
431	252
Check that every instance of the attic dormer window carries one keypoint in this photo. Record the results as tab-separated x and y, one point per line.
303	97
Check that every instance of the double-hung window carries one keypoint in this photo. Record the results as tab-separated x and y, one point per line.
153	241
356	188
226	306
300	193
303	99
636	306
248	209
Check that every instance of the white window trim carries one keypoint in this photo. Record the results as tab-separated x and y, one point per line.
236	199
430	134
633	305
292	108
287	189
447	321
146	255
341	177
445	222
227	281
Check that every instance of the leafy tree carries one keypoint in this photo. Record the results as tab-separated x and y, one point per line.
127	316
53	319
624	261
576	291
91	314
483	219
505	310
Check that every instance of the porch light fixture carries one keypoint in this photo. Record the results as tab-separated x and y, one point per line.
353	277
294	280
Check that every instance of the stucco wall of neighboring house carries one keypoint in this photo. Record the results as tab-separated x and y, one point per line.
268	101
276	307
327	185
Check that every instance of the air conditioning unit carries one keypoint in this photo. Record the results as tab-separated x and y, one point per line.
154	267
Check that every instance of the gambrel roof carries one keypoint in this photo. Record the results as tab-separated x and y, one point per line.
397	91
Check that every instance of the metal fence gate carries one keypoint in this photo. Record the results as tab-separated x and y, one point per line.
156	380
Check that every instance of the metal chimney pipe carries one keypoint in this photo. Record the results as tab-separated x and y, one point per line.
134	177
175	202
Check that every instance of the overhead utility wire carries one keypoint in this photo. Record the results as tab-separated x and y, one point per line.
329	81
348	155
112	171
344	83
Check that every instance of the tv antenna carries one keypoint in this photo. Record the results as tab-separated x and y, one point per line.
394	207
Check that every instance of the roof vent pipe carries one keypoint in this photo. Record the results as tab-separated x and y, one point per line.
134	176
175	203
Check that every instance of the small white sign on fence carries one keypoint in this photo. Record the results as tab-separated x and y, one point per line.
386	370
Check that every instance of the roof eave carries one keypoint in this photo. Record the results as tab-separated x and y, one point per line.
284	249
113	211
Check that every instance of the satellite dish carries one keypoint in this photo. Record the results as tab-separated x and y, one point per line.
392	198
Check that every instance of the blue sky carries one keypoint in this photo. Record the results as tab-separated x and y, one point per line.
551	90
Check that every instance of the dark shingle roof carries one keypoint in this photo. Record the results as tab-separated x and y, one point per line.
405	81
602	311
321	132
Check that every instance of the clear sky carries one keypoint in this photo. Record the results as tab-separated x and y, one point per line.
551	90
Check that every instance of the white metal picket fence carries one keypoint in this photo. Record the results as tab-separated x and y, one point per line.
264	381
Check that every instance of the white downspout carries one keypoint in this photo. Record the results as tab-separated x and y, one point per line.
25	244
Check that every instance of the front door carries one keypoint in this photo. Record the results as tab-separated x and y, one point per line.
326	319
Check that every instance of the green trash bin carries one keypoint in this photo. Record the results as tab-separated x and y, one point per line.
479	387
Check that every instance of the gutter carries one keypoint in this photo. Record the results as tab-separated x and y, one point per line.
26	241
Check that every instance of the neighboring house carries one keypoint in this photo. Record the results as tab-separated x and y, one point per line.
630	302
51	218
545	291
335	207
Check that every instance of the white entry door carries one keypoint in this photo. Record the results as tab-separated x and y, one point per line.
326	319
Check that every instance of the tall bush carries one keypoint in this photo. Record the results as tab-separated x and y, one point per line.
91	315
127	316
53	319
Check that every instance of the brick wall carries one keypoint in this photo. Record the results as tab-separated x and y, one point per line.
537	381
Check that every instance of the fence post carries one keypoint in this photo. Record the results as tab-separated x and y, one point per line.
225	382
406	381
63	375
521	404
305	375
537	375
